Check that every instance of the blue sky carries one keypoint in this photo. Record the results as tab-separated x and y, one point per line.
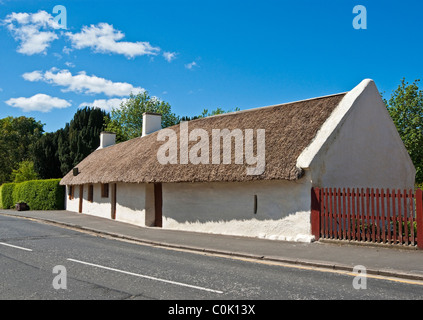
199	54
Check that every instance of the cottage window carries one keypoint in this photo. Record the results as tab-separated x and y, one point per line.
105	190
90	193
71	191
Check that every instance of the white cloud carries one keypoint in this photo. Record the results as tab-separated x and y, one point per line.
191	65
104	38
105	104
39	102
33	76
41	18
109	104
83	83
169	56
66	50
34	31
70	64
57	55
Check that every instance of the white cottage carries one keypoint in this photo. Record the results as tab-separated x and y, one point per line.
342	140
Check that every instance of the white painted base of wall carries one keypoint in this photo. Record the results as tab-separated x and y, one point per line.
283	208
295	227
218	208
130	203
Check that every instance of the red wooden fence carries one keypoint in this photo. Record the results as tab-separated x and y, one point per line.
371	215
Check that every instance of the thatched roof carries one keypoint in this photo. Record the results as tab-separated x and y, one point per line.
289	129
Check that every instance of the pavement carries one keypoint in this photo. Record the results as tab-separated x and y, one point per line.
390	261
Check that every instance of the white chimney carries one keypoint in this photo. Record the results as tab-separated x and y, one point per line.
107	139
151	122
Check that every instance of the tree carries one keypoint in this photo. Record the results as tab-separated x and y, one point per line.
56	153
24	172
46	156
126	121
406	109
63	150
206	113
215	112
17	139
84	132
80	138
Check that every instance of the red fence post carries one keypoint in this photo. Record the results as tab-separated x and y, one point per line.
315	213
419	218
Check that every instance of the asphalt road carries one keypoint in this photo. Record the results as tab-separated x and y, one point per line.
92	267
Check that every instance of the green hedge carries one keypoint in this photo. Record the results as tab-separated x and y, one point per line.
38	194
6	195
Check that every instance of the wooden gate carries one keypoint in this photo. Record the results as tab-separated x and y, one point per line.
368	215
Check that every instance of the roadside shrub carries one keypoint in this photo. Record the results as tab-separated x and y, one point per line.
418	186
40	194
6	195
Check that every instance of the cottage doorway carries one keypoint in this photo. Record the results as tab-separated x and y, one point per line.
158	204
81	195
113	206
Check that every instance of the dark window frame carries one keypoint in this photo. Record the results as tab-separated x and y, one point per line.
104	190
71	192
90	193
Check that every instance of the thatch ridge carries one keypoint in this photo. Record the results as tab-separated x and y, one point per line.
289	127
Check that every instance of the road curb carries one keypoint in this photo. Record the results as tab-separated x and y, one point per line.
284	260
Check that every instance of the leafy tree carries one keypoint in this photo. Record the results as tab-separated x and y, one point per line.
56	153
215	112
206	113
186	118
63	150
126	121
406	109
17	139
46	156
84	132
80	137
24	172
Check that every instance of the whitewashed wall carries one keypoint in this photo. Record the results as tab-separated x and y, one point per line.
283	208
100	207
72	205
364	149
130	203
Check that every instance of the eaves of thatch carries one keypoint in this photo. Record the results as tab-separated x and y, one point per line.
289	129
